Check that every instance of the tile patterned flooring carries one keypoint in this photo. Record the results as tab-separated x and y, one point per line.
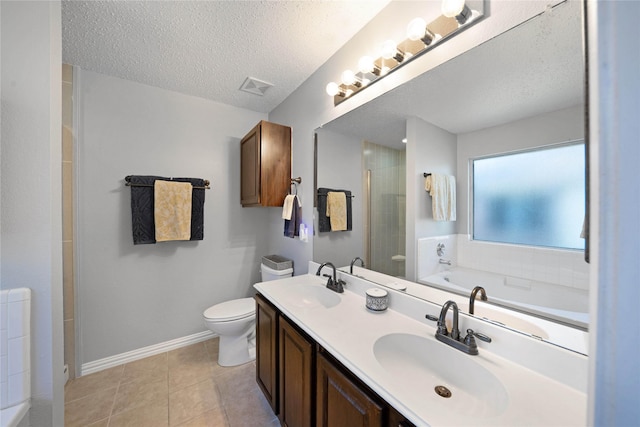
183	387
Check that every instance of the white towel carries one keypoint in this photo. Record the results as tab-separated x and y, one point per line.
442	189
287	207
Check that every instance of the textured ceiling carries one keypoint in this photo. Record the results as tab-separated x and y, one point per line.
209	48
532	69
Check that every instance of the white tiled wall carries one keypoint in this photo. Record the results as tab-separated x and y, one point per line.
556	266
15	346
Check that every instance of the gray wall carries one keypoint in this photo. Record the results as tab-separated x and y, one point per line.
31	211
131	296
429	149
340	167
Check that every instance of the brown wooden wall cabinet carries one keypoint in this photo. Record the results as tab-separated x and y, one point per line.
265	165
305	385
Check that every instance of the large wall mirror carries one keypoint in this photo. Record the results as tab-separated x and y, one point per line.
521	93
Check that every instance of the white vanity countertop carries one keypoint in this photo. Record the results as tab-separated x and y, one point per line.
349	332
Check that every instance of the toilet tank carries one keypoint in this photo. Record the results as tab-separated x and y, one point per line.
271	274
275	267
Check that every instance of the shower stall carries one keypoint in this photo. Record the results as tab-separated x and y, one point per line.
385	208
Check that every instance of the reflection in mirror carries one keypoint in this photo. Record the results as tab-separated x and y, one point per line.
518	92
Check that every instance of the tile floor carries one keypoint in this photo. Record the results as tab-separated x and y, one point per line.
183	387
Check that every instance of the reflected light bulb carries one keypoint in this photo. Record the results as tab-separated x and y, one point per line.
389	49
348	77
333	89
366	64
416	29
452	8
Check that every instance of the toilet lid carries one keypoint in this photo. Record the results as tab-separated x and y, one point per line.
231	310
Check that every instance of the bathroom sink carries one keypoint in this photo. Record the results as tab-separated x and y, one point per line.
308	295
510	320
434	370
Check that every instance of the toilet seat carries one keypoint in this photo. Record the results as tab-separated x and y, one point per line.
231	310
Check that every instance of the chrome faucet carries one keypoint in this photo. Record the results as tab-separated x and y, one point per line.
468	343
353	262
336	285
472	299
444	261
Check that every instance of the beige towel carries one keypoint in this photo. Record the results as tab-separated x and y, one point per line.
337	210
442	189
172	210
287	207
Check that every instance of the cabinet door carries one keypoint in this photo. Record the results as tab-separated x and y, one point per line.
275	166
296	380
250	168
341	402
266	350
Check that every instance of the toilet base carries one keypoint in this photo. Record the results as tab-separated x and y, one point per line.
234	351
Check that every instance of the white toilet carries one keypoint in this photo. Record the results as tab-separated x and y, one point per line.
235	322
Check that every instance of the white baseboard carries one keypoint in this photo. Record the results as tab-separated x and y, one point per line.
141	353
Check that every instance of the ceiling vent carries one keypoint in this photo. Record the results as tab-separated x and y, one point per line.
255	86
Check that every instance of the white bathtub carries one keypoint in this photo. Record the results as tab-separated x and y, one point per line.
561	303
15	355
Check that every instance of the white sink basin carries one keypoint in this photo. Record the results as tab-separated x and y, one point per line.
427	364
312	295
510	320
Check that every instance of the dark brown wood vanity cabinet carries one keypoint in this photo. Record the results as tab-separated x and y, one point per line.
265	165
305	385
341	402
267	350
296	366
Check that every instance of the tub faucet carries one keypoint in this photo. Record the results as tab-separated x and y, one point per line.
336	285
353	262
468	343
444	261
472	299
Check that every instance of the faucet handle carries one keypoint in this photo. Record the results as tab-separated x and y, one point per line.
431	317
471	333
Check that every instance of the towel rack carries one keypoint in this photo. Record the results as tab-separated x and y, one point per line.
324	195
426	174
129	184
297	180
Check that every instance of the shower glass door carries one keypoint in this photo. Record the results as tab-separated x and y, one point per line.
385	236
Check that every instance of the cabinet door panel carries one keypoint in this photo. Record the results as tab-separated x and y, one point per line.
342	403
266	350
296	387
250	168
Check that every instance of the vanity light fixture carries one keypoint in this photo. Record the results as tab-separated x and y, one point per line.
349	78
417	30
421	37
456	9
390	50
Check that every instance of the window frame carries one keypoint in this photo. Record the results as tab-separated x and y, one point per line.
471	195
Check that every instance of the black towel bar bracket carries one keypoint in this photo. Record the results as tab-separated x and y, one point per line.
129	184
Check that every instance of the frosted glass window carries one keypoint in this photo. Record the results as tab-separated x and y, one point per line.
531	198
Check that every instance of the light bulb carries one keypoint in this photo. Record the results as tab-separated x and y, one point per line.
366	64
333	89
389	49
348	77
416	29
452	8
